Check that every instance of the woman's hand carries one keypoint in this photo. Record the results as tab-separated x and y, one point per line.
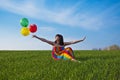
84	38
33	36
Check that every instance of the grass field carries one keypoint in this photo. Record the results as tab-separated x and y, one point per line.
38	65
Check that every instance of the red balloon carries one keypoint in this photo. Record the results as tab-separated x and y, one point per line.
33	28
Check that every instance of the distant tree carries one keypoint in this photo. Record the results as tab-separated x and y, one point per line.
112	47
100	49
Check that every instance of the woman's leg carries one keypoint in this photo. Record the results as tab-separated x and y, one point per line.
67	53
70	51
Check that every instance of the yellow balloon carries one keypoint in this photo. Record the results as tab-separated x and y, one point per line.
25	31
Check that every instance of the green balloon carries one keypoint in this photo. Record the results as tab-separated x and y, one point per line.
24	22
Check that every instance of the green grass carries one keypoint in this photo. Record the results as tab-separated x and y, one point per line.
38	65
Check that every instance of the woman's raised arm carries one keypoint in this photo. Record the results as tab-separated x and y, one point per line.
74	42
44	40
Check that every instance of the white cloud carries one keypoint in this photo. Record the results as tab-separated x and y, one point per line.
67	16
22	43
47	29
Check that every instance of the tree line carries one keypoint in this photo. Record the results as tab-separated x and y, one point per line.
111	47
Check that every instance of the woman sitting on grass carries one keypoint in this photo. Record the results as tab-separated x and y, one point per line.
59	51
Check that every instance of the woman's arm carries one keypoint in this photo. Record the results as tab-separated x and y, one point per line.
44	40
74	42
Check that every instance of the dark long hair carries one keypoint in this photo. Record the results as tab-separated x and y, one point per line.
60	39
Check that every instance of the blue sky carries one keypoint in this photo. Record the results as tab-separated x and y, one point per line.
98	20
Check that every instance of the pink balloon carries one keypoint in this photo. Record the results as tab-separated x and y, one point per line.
33	28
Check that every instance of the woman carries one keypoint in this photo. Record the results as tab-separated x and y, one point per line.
59	51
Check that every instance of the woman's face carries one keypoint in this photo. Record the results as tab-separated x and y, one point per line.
57	38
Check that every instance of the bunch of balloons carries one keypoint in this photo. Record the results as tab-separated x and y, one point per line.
25	30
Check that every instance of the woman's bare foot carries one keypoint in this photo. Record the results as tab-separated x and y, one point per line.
76	60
